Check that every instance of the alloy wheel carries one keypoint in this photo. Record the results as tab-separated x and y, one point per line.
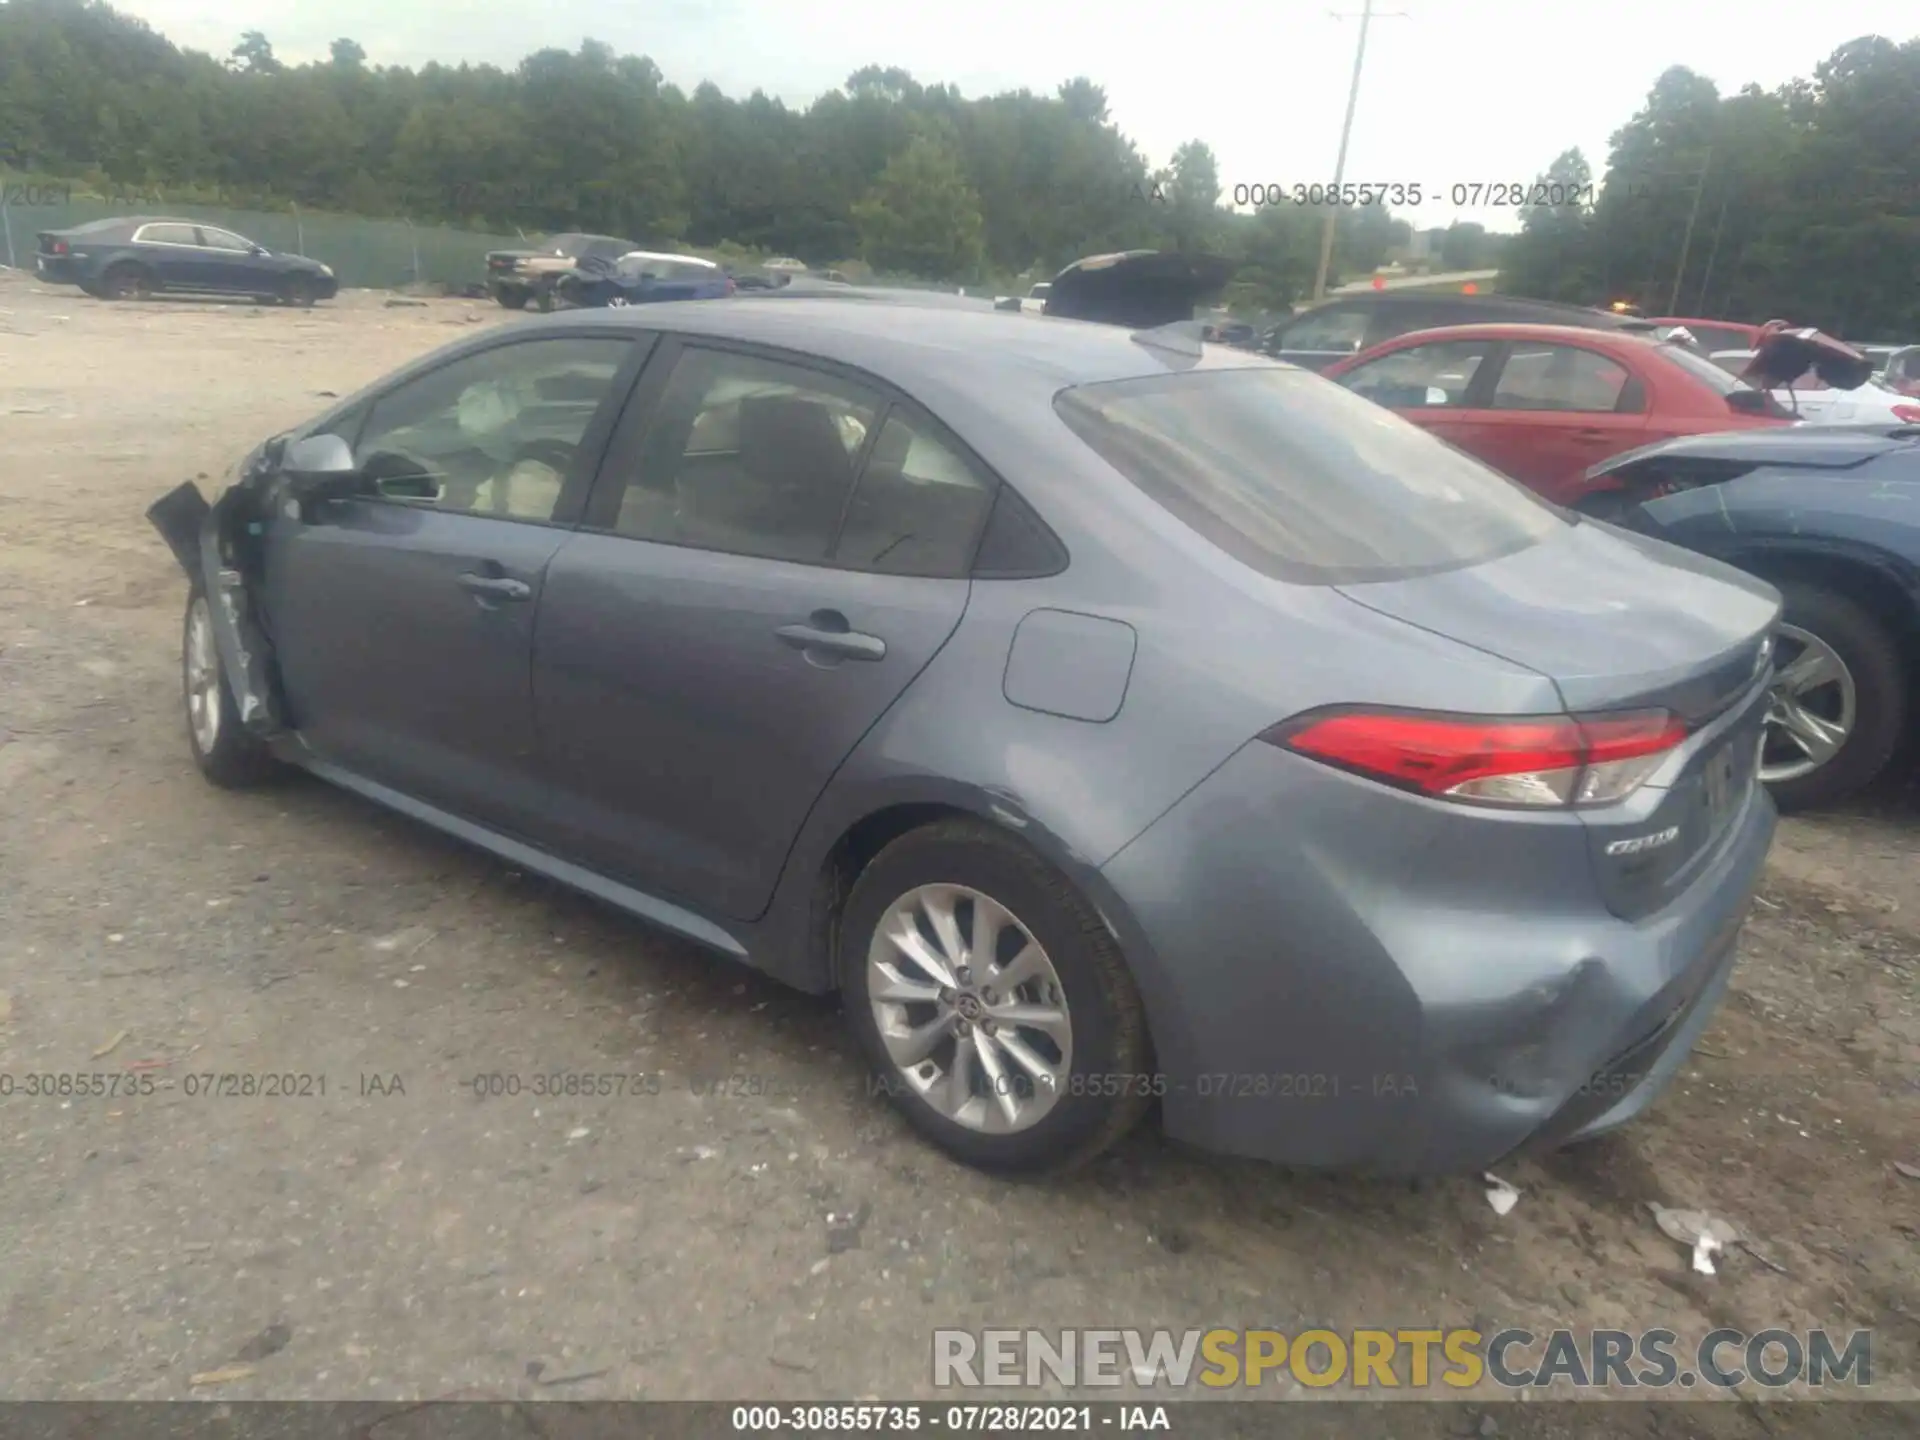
970	1008
1812	709
202	677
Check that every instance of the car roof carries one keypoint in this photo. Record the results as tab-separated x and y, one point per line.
670	255
978	351
1517	330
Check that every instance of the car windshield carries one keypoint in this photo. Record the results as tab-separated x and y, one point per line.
1301	479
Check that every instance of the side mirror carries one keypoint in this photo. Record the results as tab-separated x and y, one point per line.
321	467
260	250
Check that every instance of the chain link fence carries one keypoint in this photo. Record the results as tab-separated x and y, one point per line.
364	253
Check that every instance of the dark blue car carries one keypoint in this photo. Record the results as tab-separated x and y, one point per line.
641	277
131	257
1830	515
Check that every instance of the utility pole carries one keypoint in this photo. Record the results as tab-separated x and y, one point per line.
1346	133
1713	252
1686	239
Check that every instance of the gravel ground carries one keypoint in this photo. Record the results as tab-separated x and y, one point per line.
399	1237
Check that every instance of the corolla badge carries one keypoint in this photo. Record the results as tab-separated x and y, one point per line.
1645	842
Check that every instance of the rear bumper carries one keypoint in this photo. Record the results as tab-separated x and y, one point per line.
1338	975
56	269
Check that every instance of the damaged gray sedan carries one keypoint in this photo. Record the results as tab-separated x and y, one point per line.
1113	721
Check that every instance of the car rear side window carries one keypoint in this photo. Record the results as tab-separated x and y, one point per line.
749	457
918	508
1559	377
1301	479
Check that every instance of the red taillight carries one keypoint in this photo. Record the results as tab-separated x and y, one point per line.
59	247
1907	414
1554	760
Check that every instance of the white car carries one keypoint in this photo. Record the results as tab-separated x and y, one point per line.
1816	403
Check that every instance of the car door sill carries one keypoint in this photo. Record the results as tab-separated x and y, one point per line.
624	897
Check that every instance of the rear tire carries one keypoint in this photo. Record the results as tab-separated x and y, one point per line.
511	299
227	753
127	281
1094	1040
1869	664
544	301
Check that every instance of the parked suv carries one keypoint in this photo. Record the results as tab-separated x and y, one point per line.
1341	328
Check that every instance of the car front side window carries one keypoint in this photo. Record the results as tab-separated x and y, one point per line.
166	235
1420	376
748	456
491	433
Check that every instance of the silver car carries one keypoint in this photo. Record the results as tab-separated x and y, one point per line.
1114	722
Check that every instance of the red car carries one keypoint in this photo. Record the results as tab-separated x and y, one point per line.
1543	403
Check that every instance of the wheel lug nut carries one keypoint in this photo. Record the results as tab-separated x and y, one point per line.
988	1026
965	976
947	997
962	1028
988	996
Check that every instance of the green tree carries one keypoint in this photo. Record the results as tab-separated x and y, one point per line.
254	55
922	216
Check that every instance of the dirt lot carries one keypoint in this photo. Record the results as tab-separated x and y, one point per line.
405	1239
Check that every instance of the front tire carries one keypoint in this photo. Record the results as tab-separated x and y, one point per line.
992	1002
227	753
297	290
1839	702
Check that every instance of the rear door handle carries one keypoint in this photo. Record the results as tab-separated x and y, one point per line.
831	638
496	587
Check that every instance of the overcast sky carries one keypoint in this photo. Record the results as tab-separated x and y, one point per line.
1454	91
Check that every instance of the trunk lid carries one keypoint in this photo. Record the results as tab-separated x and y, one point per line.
1616	621
1622	622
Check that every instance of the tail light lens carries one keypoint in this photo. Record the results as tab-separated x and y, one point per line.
1907	414
1552	761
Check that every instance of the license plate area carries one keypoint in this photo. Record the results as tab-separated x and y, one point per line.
1725	778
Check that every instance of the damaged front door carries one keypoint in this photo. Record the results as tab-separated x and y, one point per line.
403	615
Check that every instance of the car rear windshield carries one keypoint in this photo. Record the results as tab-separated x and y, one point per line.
1722	376
1301	479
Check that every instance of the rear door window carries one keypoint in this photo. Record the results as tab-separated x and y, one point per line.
1301	479
1560	377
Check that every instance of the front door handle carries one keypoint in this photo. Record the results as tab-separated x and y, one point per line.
827	633
496	587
